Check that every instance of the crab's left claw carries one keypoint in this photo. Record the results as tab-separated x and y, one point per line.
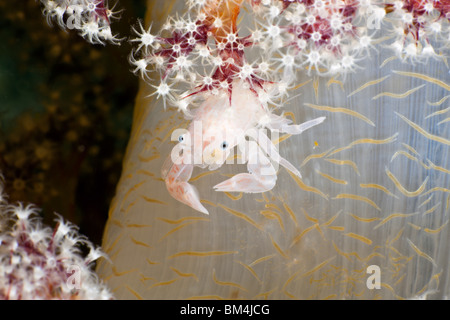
262	176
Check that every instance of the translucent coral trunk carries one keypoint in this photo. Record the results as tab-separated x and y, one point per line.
375	191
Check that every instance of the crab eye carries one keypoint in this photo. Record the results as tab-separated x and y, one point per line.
224	145
181	138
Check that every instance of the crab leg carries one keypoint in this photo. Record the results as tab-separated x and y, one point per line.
271	150
176	182
283	125
261	177
299	128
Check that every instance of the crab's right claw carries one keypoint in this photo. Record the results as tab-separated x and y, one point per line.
246	182
187	194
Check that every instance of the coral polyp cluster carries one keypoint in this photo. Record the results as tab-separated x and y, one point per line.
420	28
207	39
37	262
205	50
326	37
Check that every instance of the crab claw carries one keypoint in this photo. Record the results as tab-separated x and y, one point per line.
187	194
262	175
246	182
176	182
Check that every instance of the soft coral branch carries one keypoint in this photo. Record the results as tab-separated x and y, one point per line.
34	259
90	17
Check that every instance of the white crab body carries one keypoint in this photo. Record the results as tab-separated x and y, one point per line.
220	124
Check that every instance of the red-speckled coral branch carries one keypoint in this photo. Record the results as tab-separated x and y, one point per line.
204	50
420	28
